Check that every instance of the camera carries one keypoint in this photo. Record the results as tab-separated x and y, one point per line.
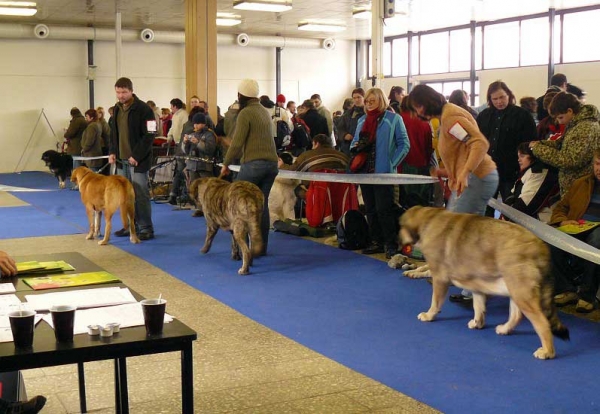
363	144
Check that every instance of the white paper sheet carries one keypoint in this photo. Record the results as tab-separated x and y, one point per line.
9	303
84	298
127	315
7	288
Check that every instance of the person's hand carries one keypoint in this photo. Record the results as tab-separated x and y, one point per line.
462	182
194	140
532	144
8	267
438	172
186	138
348	137
569	222
132	161
112	158
224	171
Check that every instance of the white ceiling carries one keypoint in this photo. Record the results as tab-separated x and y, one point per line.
169	15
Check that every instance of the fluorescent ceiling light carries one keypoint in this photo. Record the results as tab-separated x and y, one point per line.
17	8
321	27
361	13
228	19
276	6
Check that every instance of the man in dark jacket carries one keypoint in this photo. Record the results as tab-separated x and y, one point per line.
131	144
558	83
73	135
347	125
316	122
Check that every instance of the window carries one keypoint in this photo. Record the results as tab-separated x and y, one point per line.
446	87
501	45
580	31
400	57
460	50
387	59
534	42
434	53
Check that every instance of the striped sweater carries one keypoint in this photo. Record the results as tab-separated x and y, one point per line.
252	138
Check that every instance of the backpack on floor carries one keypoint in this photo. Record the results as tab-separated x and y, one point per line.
353	231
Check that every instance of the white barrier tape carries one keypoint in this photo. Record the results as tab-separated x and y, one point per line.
80	158
19	189
548	233
353	178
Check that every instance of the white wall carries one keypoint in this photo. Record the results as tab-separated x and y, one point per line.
51	74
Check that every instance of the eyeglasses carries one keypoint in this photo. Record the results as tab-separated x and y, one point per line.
370	101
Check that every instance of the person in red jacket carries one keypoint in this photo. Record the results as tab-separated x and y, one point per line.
417	160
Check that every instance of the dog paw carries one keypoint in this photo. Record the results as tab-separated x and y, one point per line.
542	354
503	329
474	324
89	237
134	240
204	250
425	317
103	242
243	271
62	186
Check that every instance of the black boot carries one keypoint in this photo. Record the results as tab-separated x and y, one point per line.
173	200
32	406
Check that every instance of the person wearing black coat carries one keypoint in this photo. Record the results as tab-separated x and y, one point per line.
131	144
316	122
349	120
505	125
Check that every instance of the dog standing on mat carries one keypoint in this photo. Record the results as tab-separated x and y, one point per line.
101	193
60	164
236	207
488	257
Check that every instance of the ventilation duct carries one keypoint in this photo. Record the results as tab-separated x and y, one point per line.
42	31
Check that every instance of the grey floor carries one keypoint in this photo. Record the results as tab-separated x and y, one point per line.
239	365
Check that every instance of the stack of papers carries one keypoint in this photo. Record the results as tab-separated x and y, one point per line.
77	279
43	267
83	299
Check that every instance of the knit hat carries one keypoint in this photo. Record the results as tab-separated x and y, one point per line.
248	88
281	98
199	118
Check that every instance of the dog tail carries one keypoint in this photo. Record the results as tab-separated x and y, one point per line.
256	240
556	326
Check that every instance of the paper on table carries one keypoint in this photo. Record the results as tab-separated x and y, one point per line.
83	298
6	333
127	315
9	303
7	288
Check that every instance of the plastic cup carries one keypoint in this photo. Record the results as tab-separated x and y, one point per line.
63	319
22	325
154	315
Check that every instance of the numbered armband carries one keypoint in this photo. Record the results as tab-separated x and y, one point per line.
151	126
458	132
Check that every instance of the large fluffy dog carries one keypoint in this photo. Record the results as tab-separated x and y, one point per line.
488	257
282	199
60	165
100	193
235	207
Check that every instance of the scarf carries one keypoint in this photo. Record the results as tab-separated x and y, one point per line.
370	125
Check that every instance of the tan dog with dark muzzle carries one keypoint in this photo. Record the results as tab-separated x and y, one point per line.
234	207
100	193
488	257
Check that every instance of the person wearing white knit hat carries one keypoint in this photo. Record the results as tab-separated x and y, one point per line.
254	145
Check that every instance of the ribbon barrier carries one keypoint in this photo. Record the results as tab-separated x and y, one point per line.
548	233
81	158
20	189
353	178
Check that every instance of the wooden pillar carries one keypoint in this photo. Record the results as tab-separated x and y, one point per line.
201	52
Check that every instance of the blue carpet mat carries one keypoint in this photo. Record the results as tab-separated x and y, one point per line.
357	311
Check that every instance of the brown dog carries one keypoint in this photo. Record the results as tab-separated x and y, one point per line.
100	193
235	207
489	257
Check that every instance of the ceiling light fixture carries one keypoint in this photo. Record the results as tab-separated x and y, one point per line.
361	13
321	27
17	8
228	19
276	6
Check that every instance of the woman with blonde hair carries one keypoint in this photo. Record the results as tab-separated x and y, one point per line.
381	142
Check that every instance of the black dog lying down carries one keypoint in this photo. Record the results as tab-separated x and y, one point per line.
60	165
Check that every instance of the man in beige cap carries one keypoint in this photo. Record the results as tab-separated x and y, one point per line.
253	143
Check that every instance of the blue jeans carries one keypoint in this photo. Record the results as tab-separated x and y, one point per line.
475	198
143	207
262	173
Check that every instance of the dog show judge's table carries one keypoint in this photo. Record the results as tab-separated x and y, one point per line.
128	342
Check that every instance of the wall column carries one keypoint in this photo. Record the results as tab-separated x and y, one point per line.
201	52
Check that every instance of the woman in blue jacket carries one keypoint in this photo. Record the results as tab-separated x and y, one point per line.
381	136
